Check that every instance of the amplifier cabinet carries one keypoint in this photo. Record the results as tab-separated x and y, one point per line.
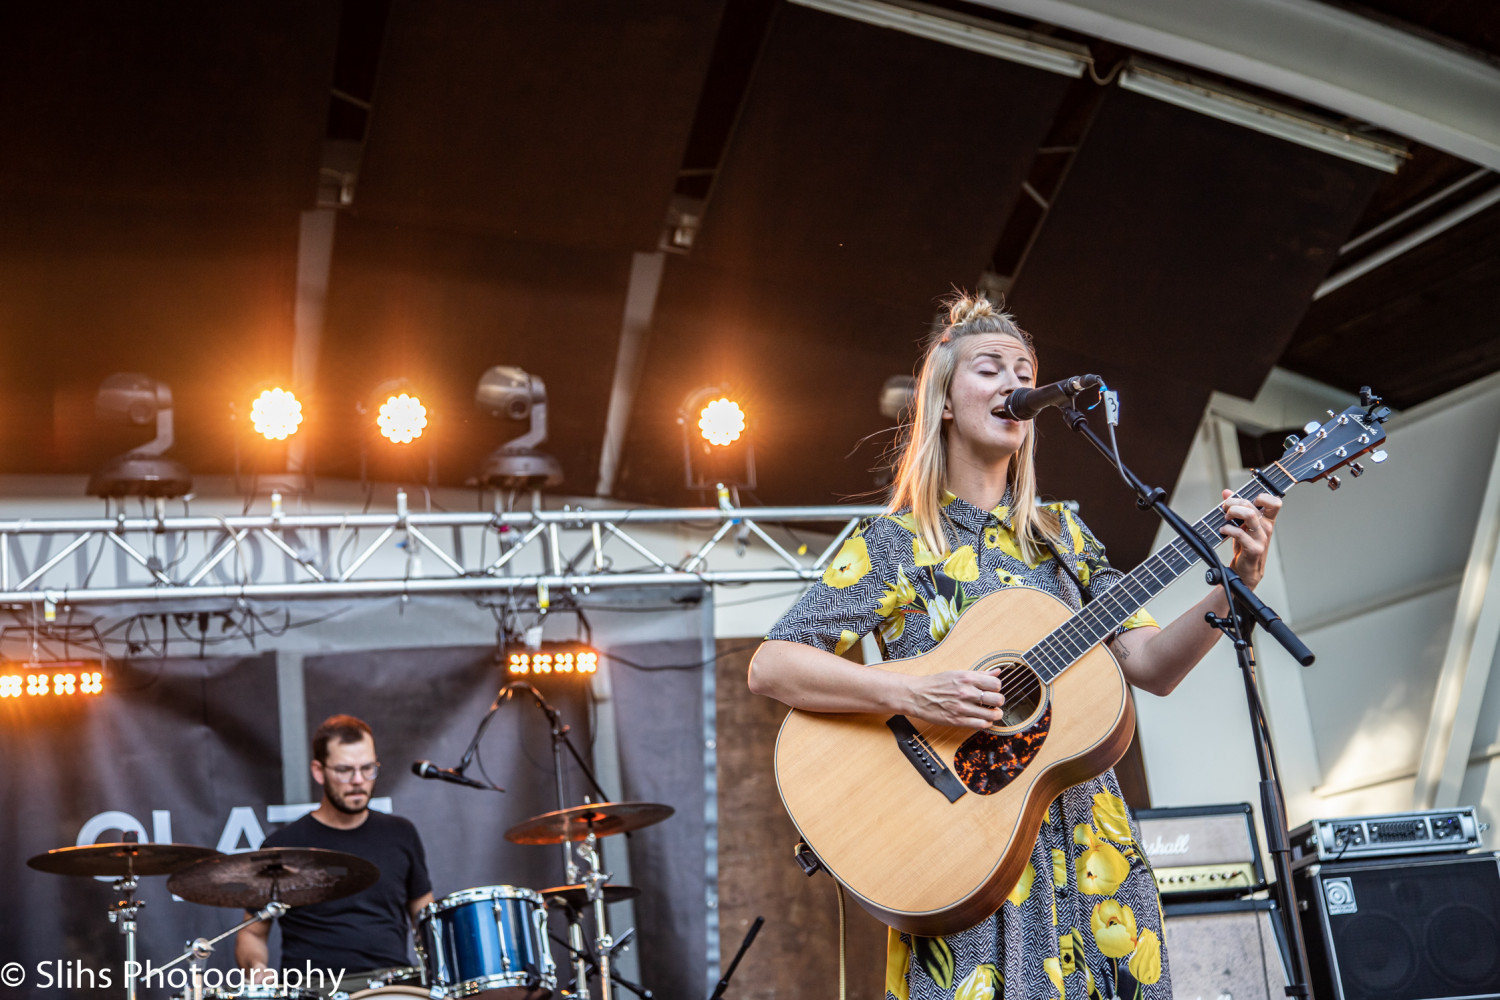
1228	948
1202	852
1403	928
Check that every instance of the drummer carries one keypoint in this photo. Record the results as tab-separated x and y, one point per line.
367	931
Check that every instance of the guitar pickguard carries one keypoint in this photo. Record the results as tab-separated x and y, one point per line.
986	762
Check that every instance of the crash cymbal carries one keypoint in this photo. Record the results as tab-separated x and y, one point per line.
296	876
578	895
120	860
603	818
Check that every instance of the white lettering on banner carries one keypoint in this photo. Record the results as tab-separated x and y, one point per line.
242	823
1161	848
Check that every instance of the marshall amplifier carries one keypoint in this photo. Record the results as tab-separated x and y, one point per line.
1226	948
1423	928
1202	852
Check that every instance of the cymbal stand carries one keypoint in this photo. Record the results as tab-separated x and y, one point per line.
203	947
593	969
122	913
594	880
570	867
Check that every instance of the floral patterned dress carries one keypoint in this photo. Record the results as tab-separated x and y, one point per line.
1085	919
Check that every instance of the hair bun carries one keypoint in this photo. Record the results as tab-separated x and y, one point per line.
965	308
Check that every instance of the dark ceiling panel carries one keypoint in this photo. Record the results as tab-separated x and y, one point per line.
167	102
199	298
868	173
440	308
1415	328
1180	237
560	122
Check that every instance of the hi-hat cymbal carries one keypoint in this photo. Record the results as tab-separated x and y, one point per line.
578	895
296	876
603	819
120	860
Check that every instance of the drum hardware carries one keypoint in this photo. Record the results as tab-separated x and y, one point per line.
718	992
577	895
592	967
129	861
199	950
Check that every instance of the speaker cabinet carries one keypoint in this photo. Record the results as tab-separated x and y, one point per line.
1226	948
1403	928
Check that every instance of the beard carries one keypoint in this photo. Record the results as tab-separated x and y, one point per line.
339	801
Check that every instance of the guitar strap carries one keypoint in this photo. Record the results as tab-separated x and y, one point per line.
1085	595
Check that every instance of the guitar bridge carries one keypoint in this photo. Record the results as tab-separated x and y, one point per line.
922	757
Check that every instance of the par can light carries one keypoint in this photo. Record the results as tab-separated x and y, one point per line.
276	414
401	418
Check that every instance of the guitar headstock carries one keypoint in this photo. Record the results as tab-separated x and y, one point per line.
1343	438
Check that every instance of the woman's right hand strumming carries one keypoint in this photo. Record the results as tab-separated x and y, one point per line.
810	679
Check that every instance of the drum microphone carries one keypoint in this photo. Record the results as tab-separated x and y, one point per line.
1023	404
427	769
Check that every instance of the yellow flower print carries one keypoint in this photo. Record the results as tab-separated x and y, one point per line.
1059	868
1022	890
942	612
1094	993
1145	964
1009	579
922	555
1054	973
1102	867
847	639
962	565
1113	924
979	984
1075	530
850	566
1111	819
897	595
1066	956
1005	541
907	521
897	959
892	627
992	537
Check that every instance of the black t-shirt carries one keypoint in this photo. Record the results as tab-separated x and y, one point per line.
367	930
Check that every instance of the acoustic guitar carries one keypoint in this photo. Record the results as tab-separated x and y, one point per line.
930	827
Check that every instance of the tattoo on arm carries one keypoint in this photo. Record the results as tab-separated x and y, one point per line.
1121	650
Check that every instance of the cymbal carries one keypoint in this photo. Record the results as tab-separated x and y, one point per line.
603	818
120	860
578	895
296	876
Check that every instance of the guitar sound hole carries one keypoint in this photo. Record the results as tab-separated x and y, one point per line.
1021	687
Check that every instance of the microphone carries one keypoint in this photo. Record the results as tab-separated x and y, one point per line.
1023	404
427	769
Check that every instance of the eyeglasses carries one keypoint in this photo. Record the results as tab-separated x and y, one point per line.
345	772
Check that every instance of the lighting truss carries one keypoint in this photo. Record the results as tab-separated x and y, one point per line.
383	555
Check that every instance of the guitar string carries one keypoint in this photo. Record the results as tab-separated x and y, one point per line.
1208	525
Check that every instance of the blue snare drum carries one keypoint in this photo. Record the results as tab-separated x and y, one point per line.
488	942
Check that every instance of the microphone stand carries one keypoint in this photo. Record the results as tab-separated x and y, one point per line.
1243	605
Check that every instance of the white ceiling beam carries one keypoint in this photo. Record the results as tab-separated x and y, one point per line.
1467	661
1329	57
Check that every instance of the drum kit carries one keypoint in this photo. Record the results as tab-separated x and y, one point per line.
489	942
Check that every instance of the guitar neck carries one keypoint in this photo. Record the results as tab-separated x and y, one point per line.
1102	616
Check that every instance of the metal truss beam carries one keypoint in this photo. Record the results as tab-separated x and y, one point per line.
323	555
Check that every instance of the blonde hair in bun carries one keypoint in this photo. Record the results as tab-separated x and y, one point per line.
922	470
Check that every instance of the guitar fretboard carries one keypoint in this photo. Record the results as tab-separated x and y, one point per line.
1107	612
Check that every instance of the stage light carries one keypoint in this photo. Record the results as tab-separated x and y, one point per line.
566	658
276	414
509	393
401	418
721	421
717	445
131	398
51	680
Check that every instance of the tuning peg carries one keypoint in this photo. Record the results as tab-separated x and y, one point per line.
1311	426
1290	441
1378	456
1333	482
1356	470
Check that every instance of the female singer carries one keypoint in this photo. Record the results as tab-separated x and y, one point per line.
1084	921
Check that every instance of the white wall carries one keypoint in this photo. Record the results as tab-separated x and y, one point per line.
1369	576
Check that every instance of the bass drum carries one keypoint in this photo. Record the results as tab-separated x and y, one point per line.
488	942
